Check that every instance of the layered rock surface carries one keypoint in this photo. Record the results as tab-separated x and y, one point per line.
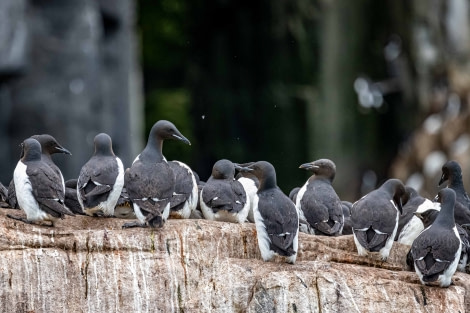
89	264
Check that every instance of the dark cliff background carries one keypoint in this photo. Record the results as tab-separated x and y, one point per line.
380	88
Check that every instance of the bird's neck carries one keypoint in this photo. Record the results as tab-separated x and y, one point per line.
321	178
153	151
457	184
445	217
268	183
46	157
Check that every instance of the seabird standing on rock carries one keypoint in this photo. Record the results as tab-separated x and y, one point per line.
101	179
436	251
150	181
318	200
49	146
276	217
409	225
374	218
223	198
39	191
452	173
428	217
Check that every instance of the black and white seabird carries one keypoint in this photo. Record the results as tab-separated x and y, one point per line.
49	146
409	225
375	216
150	181
223	198
436	251
101	179
39	191
428	217
304	226
452	174
185	197
318	201
276	217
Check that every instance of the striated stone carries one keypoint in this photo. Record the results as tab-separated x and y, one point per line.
91	265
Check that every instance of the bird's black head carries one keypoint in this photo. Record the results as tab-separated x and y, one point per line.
167	130
31	150
321	167
451	171
49	144
103	144
398	191
223	169
265	173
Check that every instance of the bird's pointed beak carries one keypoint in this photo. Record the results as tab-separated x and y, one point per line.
243	164
442	180
308	166
63	150
241	168
182	138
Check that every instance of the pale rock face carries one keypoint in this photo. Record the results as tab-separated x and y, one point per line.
89	264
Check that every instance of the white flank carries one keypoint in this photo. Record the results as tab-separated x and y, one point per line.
385	251
250	190
261	233
106	207
206	211
24	195
299	197
190	204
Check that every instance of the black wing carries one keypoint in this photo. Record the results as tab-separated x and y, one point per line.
47	189
183	185
150	185
280	219
322	208
217	194
433	250
96	180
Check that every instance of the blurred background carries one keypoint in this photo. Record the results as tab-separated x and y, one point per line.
379	87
